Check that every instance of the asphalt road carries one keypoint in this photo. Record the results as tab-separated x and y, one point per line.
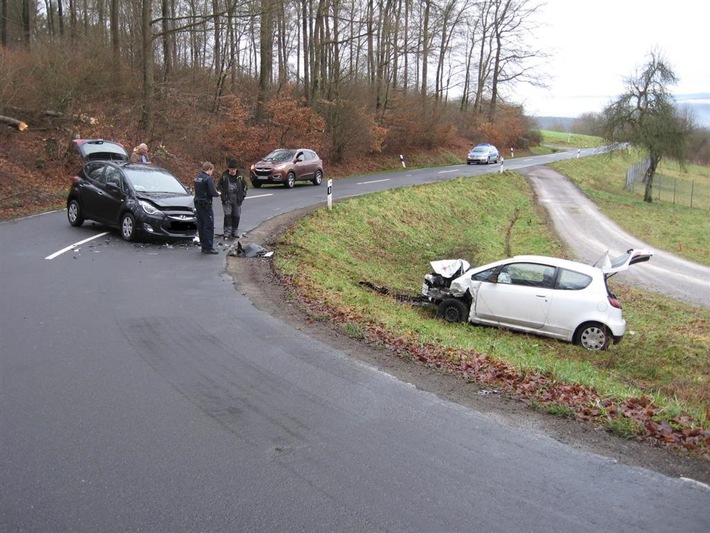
141	392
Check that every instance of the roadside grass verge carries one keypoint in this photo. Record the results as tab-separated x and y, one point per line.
654	385
678	229
571	140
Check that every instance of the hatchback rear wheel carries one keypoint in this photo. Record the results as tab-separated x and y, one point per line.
290	180
318	178
593	336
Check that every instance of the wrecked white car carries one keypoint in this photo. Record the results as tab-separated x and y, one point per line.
545	296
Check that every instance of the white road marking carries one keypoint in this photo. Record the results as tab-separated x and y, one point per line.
373	181
72	246
259	196
448	171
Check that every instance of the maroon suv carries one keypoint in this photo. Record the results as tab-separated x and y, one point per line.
287	166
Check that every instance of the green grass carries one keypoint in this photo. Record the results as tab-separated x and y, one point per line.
570	140
676	228
389	238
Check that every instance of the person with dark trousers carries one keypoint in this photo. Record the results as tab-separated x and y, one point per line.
233	189
204	192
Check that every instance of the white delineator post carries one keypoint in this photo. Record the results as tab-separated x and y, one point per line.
330	194
578	151
500	171
401	158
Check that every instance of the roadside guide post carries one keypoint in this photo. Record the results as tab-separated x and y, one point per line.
330	194
500	171
401	158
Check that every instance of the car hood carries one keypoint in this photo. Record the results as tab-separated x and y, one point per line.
168	199
449	268
624	261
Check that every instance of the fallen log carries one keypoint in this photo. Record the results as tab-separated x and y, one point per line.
21	126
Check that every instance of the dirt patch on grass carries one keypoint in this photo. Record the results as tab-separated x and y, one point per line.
256	279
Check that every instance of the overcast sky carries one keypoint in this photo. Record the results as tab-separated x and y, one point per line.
595	44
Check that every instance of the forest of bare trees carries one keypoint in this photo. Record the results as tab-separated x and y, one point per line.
375	71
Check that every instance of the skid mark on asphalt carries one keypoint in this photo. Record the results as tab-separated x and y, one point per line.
217	379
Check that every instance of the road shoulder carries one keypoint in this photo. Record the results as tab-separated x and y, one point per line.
256	279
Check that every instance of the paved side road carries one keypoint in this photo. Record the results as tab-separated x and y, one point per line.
590	234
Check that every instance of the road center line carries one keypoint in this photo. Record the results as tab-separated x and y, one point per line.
72	246
259	196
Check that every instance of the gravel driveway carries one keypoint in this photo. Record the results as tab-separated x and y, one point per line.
589	233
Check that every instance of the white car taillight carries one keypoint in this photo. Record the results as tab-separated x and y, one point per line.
614	302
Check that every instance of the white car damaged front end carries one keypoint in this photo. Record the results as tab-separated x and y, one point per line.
546	296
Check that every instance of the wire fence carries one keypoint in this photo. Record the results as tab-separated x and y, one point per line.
681	192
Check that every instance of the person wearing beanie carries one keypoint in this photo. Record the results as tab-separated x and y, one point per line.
233	188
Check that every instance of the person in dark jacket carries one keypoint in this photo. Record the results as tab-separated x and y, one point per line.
204	192
233	189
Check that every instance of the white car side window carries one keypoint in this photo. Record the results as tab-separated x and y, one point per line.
573	281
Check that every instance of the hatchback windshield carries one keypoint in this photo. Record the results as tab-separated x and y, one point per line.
151	179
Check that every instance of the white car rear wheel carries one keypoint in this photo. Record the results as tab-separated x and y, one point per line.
593	337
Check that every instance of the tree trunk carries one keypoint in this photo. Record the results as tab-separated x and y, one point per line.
425	46
167	39
115	36
648	178
146	122
26	23
306	50
21	126
3	24
266	54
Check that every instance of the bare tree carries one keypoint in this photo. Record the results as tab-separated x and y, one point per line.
646	116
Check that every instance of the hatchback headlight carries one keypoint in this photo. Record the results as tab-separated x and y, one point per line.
150	208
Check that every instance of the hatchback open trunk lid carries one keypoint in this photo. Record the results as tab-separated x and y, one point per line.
95	149
624	261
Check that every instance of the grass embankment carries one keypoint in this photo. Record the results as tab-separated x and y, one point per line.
553	139
653	385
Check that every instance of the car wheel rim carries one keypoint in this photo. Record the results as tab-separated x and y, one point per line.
127	227
72	212
593	338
